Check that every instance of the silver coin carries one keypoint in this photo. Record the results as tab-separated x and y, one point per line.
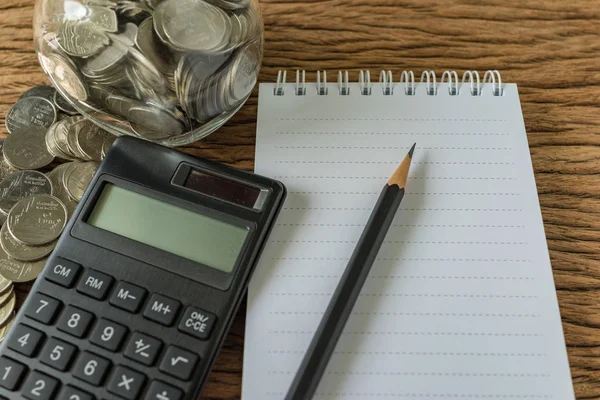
156	120
121	105
27	150
47	92
63	104
78	178
19	271
30	112
22	252
193	25
90	138
37	220
107	145
65	73
58	189
244	71
8	308
20	185
103	17
81	38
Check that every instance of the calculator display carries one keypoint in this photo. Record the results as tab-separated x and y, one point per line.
174	229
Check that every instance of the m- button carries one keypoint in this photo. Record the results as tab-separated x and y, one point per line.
197	322
63	272
94	284
161	309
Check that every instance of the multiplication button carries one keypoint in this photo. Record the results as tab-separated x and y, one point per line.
197	322
161	309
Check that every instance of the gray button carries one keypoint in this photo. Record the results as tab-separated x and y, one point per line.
72	393
161	391
12	373
75	321
91	368
25	340
127	297
161	309
57	354
62	272
178	363
197	322
39	386
94	284
143	348
42	308
126	383
108	334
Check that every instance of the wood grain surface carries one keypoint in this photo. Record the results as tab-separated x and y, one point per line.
551	48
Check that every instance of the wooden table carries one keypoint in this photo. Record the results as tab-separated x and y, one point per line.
550	48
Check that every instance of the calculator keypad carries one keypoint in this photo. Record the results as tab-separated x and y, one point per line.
88	368
126	383
91	368
75	321
162	309
108	334
25	340
43	308
11	373
39	386
58	354
143	348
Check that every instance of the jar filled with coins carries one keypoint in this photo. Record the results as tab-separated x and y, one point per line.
169	71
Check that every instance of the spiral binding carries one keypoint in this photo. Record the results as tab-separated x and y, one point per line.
407	80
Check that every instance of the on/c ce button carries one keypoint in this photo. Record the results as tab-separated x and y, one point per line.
197	322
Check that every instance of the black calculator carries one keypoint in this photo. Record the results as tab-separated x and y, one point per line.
138	296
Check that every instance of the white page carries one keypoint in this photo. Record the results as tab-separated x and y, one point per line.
460	303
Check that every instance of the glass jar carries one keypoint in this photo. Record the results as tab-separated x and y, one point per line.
169	71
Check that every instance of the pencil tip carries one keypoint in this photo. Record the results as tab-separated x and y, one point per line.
412	150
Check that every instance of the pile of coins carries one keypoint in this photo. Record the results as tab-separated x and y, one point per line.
8	302
37	200
163	67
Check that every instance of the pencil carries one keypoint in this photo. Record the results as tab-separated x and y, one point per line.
340	306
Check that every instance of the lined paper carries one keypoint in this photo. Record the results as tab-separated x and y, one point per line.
460	303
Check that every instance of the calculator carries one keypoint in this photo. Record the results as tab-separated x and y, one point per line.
141	289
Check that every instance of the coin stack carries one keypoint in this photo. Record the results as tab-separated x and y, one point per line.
163	67
8	301
35	205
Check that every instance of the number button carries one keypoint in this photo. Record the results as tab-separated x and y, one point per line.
75	321
39	386
42	308
127	297
143	348
197	323
25	340
63	272
94	284
108	335
91	368
11	373
161	309
126	383
58	354
161	391
178	363
72	393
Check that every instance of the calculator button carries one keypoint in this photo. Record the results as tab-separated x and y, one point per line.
91	368
11	373
57	354
161	391
127	297
75	321
178	363
126	383
72	393
143	348
63	272
42	308
197	322
39	386
94	284
108	334
25	340
161	309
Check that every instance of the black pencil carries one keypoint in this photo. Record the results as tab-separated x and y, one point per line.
340	306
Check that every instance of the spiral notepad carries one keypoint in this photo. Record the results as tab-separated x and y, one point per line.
460	303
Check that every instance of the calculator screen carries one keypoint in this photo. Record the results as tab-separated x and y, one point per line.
174	229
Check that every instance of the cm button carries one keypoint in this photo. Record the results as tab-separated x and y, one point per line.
197	322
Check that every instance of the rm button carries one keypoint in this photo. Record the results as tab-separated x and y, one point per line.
63	272
197	323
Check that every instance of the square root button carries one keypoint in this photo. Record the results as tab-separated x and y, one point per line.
197	322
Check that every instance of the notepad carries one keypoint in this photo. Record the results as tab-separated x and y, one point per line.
461	302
